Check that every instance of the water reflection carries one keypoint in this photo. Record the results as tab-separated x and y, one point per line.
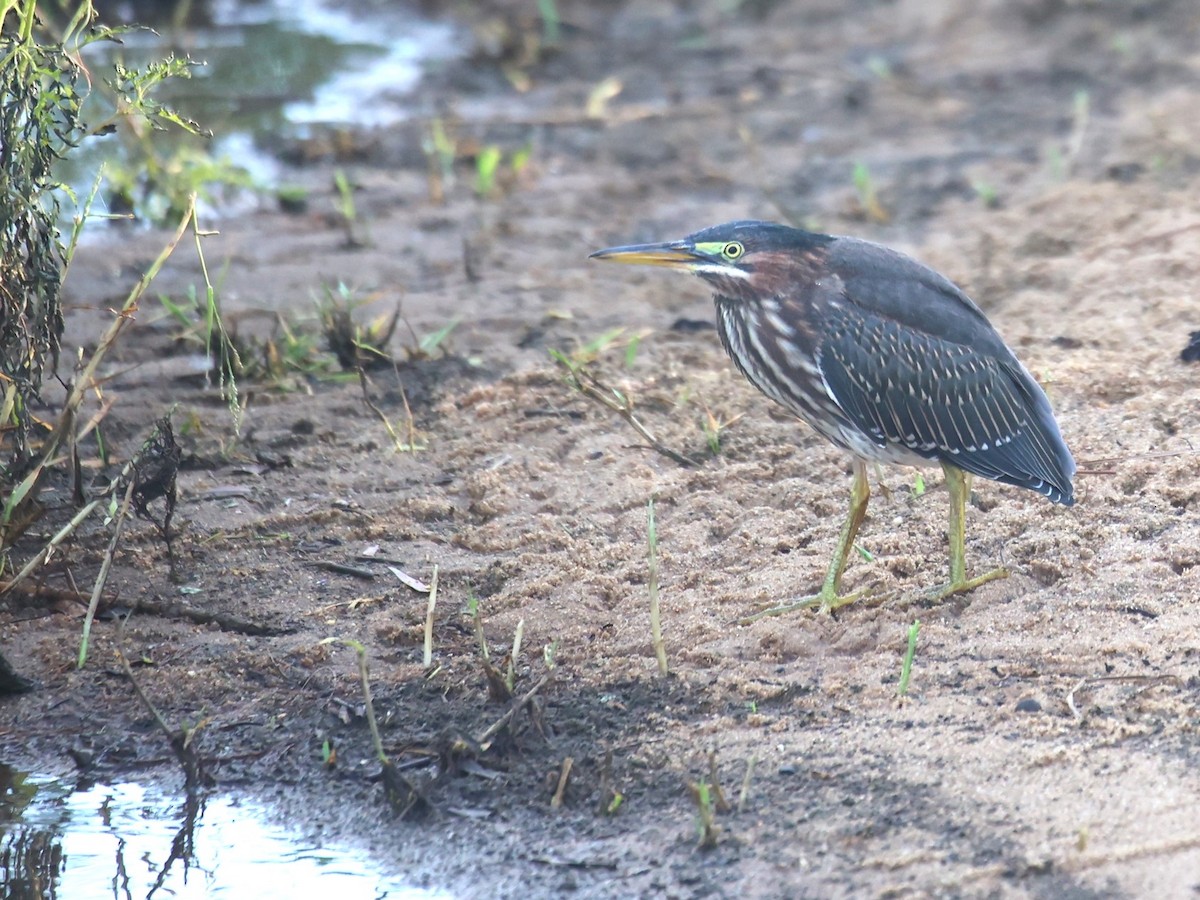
126	841
274	64
273	71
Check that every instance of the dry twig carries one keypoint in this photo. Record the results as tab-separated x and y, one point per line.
582	380
484	740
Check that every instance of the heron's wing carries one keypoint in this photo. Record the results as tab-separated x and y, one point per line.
968	406
898	287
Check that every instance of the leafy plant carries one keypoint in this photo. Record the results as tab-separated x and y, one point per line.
42	122
354	344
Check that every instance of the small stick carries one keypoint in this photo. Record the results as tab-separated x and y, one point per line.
43	555
511	679
557	800
370	404
46	592
721	804
503	721
365	677
590	386
477	626
433	584
181	740
744	793
343	569
1071	700
660	649
94	603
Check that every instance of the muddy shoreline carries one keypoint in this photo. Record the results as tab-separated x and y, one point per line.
1048	745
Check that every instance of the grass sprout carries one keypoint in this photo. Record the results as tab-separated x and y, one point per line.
868	196
356	345
487	162
581	379
909	653
660	649
707	830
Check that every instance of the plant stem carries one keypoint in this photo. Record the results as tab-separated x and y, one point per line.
429	618
906	666
660	649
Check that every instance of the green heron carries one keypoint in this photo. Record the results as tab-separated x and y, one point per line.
882	356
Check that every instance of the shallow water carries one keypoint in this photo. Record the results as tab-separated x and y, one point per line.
268	72
127	840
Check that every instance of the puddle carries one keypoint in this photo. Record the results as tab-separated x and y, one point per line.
274	71
129	841
273	64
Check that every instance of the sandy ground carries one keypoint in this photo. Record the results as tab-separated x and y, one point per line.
1040	153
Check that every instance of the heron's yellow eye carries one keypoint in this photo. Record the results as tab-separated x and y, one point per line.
732	250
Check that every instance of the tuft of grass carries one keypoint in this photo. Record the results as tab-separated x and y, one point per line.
713	427
615	338
918	487
986	192
402	794
500	685
551	23
441	150
744	793
611	797
631	350
579	378
909	653
880	67
218	344
707	830
520	159
487	162
355	230
292	198
356	346
660	650
593	349
431	343
868	196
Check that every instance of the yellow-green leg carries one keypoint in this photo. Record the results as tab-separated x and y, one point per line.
828	599
956	481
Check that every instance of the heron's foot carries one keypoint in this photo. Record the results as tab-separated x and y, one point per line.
825	602
938	594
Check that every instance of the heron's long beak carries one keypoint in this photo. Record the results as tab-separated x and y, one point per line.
674	255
